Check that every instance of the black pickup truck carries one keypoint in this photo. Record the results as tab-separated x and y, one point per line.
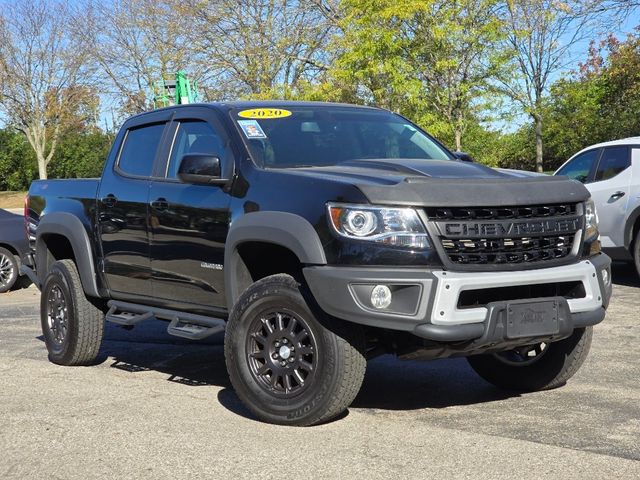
317	236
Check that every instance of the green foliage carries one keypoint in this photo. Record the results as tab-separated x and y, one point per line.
17	161
518	149
429	60
574	119
79	155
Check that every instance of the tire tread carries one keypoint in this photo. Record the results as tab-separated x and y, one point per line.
90	320
349	343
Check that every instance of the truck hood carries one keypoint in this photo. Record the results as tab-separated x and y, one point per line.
446	182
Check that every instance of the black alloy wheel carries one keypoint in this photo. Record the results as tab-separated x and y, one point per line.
57	314
282	353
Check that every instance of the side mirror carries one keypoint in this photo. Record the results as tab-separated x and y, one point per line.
200	169
465	157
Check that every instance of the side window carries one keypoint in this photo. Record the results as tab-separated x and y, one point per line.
194	137
613	161
580	166
139	150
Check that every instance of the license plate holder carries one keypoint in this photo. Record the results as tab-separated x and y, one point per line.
532	319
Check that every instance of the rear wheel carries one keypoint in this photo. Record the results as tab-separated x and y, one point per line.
287	364
72	326
536	367
8	270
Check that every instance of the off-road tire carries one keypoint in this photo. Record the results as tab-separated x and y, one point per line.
85	322
9	270
553	369
340	366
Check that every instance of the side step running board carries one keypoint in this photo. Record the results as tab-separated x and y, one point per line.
193	331
185	325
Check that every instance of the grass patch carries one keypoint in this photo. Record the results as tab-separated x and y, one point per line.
12	199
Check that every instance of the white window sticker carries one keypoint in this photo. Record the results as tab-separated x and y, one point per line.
251	129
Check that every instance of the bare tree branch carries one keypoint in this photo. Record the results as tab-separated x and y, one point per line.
44	72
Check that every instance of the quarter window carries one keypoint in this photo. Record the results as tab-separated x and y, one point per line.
194	137
580	167
139	150
613	161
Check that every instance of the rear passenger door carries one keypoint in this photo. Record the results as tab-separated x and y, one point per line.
123	200
610	192
189	223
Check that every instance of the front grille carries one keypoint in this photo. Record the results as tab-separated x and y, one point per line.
508	250
501	213
490	236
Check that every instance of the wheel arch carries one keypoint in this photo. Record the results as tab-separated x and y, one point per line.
631	227
282	241
59	236
14	250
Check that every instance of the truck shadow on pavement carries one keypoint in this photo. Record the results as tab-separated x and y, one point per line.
625	274
390	384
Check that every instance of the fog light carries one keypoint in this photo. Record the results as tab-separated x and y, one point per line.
381	296
606	277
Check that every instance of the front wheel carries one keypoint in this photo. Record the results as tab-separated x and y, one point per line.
535	367
288	365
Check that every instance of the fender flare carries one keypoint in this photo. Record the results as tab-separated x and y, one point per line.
279	228
70	227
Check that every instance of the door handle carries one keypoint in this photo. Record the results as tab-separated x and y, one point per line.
160	204
617	195
109	201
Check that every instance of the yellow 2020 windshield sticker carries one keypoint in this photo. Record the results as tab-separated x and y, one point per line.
264	113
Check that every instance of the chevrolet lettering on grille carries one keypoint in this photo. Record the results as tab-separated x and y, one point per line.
506	229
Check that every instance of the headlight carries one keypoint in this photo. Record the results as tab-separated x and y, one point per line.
399	227
591	221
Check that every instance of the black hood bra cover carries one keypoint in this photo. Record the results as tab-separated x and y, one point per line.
433	183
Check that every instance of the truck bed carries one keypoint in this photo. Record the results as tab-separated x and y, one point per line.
76	196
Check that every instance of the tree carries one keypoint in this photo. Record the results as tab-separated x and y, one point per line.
455	54
17	160
431	60
81	154
258	48
42	72
598	103
136	43
540	37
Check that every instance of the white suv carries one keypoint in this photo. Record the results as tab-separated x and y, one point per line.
611	172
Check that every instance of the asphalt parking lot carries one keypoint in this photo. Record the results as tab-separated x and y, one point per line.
159	407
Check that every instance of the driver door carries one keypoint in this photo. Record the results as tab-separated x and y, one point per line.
189	223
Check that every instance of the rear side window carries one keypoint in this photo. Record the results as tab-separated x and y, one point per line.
613	161
580	166
139	150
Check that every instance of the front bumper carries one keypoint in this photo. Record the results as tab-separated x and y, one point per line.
426	301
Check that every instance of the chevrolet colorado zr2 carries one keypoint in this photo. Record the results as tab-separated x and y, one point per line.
317	236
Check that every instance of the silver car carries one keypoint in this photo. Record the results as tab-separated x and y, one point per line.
611	172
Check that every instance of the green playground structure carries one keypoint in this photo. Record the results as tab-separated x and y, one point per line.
178	91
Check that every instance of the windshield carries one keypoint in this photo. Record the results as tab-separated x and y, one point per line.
322	136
